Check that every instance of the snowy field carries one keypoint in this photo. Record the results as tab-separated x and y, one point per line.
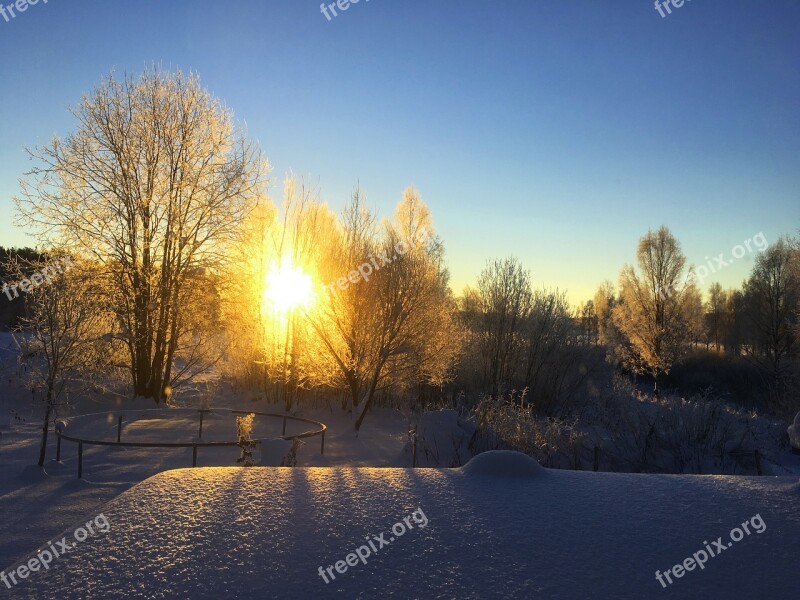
497	528
37	503
501	527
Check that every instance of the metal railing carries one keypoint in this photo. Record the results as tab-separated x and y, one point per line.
63	424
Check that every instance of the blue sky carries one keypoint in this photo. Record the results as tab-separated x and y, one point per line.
558	132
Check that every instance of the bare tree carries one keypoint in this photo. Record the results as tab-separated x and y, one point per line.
151	185
392	325
67	335
773	292
504	299
551	352
715	309
734	321
589	322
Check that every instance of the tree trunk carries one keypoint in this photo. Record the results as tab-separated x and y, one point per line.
46	425
360	420
370	395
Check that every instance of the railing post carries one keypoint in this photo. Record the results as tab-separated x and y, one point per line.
194	456
322	446
58	447
414	452
80	460
119	429
596	458
202	414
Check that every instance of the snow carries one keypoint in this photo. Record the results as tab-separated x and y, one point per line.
502	526
264	532
36	504
503	464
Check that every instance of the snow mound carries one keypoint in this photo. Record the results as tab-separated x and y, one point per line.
503	463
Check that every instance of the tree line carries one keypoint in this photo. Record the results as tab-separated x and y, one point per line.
164	204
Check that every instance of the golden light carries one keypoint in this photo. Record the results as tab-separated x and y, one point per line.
288	287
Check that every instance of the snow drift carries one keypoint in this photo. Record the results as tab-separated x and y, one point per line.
523	532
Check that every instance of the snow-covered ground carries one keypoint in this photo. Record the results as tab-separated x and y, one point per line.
38	503
501	527
264	532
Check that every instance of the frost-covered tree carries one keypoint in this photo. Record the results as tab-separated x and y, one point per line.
392	325
273	348
604	302
658	307
66	337
151	185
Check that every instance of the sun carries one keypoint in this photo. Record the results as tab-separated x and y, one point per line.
288	287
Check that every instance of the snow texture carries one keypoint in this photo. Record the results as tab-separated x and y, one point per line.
522	532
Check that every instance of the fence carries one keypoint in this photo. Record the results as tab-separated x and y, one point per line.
63	425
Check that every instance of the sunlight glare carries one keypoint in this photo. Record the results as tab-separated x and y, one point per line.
288	287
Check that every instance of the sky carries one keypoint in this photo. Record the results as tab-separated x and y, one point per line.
556	132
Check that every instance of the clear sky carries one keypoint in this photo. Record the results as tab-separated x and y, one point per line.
556	131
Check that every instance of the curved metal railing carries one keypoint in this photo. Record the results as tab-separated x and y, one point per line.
63	424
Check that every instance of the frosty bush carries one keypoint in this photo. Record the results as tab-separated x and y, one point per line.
290	460
700	434
691	436
510	424
244	428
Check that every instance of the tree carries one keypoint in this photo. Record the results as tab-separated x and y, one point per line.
66	336
151	185
244	314
658	307
504	299
715	310
391	322
550	352
773	292
588	321
695	314
604	302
